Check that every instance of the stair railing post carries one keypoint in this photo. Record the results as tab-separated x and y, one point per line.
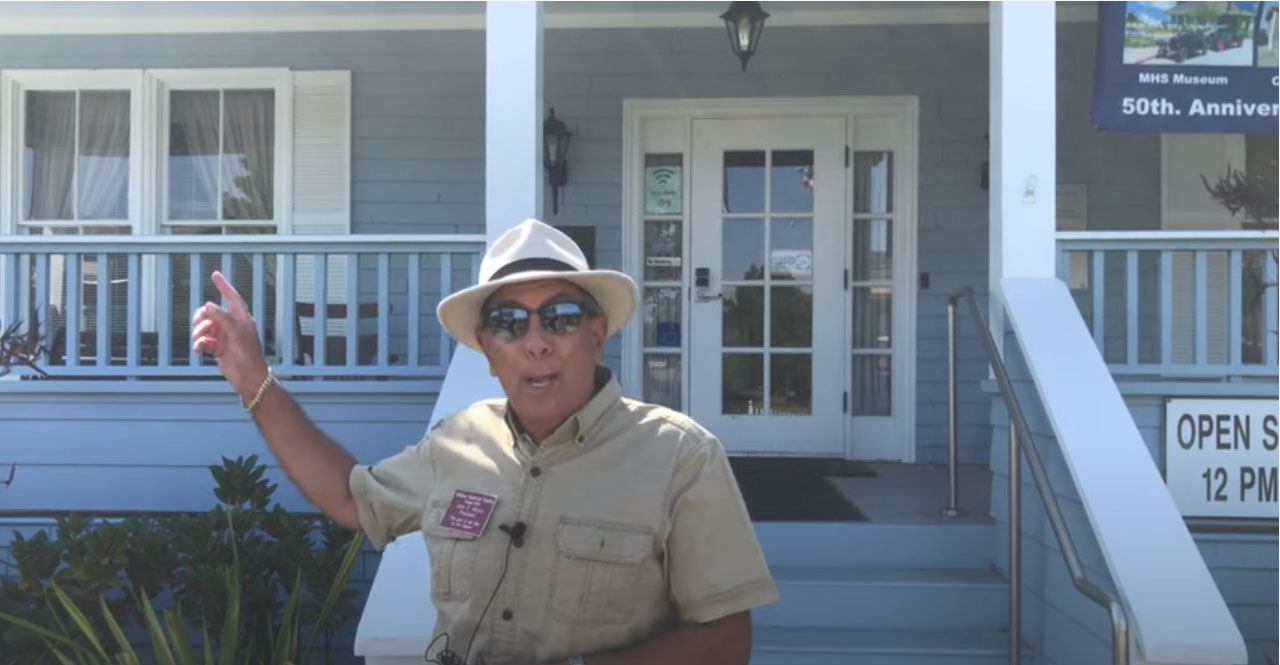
952	509
1015	547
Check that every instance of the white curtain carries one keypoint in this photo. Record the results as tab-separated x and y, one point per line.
49	155
248	165
193	154
103	159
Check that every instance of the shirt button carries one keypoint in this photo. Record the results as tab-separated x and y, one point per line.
535	472
581	439
506	615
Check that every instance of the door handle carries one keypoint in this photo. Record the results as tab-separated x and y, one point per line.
704	294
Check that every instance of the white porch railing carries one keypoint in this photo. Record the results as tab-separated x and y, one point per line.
119	307
1198	304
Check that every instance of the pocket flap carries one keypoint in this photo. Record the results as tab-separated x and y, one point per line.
604	541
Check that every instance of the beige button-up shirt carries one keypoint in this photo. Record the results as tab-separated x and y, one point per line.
634	524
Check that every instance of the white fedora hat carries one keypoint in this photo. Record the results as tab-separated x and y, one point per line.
532	251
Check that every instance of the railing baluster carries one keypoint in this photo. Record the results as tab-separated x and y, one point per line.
74	291
260	297
1201	308
103	322
320	323
288	327
415	293
353	308
164	310
193	291
1131	325
475	269
229	272
8	289
1269	321
43	320
1234	310
446	287
1166	307
25	306
384	337
1097	285
133	334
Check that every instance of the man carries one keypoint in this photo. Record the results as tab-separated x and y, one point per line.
565	524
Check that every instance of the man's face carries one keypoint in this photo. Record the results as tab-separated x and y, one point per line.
546	376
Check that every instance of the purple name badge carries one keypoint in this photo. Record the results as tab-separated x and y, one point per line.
469	512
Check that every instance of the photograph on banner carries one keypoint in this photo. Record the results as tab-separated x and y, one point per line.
1194	67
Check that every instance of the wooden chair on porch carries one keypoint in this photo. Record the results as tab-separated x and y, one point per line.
335	342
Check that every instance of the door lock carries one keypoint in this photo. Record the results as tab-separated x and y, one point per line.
702	285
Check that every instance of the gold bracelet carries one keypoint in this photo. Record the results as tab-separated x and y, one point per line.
262	390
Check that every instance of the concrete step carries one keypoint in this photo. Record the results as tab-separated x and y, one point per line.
871	646
892	598
862	544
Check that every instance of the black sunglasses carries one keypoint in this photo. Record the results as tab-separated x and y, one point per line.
509	322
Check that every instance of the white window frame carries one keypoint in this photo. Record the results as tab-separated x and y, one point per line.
160	82
14	84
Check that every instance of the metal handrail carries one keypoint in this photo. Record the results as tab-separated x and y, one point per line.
1017	445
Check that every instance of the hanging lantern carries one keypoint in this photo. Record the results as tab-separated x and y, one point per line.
745	22
555	155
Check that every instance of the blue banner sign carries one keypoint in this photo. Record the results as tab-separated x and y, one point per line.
1196	67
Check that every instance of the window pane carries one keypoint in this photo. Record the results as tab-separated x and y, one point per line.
791	384
663	184
193	154
103	174
663	250
791	249
873	250
872	317
873	182
792	314
248	164
743	316
791	186
742	383
742	249
662	379
744	181
662	316
1261	166
49	155
872	380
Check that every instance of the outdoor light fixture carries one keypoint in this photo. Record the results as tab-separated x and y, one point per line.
745	22
555	154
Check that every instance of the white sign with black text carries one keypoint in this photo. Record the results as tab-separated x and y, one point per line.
1220	456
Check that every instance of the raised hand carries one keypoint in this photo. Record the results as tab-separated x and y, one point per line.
230	336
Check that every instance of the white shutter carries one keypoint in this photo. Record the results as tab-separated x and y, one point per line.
321	172
1188	206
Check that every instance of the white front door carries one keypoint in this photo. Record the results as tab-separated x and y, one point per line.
767	315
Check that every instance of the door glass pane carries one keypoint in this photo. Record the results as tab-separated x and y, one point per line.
193	154
791	311
48	156
103	162
742	383
873	250
743	181
791	384
742	249
662	379
663	251
791	186
872	317
662	316
791	249
248	165
872	382
663	184
873	182
742	316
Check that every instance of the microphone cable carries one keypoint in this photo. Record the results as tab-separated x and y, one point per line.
446	656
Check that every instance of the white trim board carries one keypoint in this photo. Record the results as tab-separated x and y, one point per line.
676	116
82	18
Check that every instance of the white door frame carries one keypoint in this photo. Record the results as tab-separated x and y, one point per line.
664	126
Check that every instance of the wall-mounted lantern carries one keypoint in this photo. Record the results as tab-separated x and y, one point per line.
745	22
555	155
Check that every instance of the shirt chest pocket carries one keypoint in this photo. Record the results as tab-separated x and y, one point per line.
453	562
596	571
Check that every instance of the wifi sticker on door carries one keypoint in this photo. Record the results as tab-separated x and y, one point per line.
662	190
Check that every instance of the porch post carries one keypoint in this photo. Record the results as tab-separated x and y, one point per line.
1023	126
513	114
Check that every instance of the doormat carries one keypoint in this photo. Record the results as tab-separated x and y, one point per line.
786	489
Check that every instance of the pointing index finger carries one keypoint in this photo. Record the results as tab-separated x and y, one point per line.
235	304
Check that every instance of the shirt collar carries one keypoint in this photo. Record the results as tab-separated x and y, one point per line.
583	422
